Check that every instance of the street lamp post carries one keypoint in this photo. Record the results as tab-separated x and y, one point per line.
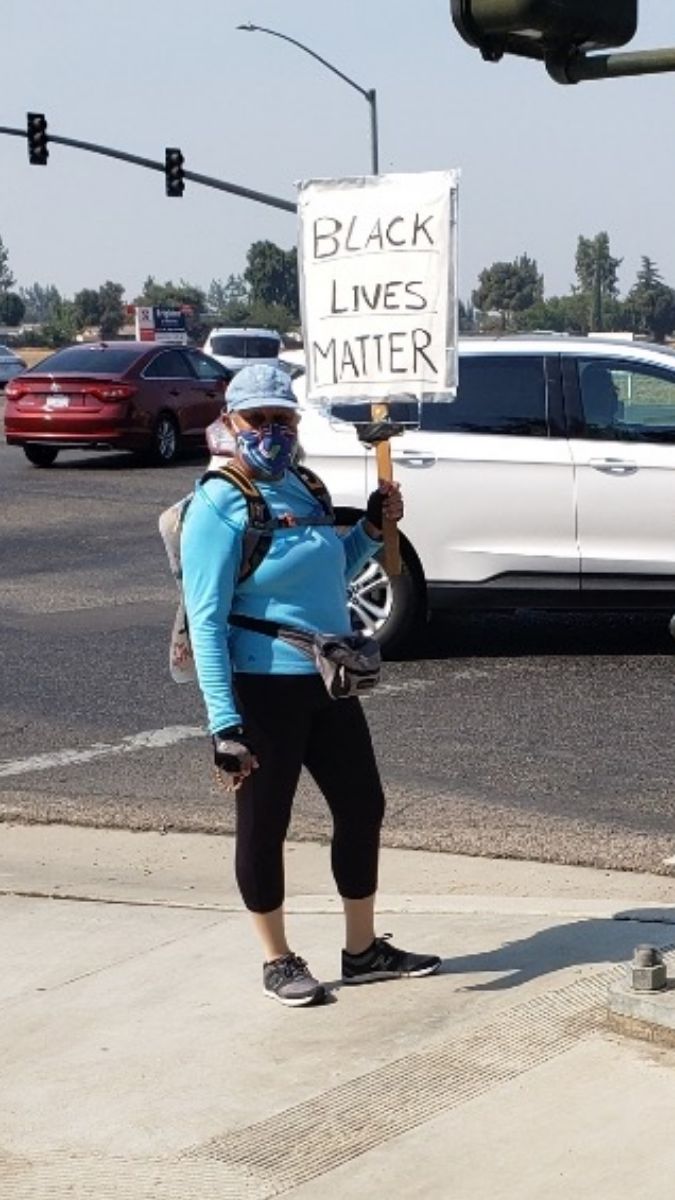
368	93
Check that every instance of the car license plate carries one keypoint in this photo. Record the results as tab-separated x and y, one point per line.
57	401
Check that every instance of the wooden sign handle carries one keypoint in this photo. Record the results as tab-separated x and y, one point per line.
392	552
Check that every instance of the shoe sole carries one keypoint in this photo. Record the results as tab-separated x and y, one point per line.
305	1001
375	975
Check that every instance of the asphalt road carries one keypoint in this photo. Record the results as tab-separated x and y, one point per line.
547	737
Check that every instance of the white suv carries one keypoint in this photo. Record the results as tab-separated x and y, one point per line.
549	482
237	348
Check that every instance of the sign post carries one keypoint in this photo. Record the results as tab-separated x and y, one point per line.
378	270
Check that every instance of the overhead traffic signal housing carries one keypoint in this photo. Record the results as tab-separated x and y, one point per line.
38	150
544	29
173	171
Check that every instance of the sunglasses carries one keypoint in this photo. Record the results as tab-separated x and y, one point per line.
262	420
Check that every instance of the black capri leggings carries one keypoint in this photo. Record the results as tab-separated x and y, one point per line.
292	722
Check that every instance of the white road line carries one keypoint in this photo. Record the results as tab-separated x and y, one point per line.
149	739
392	689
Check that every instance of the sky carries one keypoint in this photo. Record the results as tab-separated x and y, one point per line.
540	163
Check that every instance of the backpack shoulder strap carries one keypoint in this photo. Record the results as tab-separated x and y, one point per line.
316	486
258	534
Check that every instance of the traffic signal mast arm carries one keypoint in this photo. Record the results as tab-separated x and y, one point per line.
153	165
578	67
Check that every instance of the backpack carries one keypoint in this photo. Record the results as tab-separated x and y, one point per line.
257	541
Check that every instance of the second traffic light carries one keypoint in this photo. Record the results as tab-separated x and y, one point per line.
38	150
173	171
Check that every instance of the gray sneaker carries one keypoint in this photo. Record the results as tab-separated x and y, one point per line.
289	980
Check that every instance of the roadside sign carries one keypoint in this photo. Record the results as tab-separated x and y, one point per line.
378	270
160	324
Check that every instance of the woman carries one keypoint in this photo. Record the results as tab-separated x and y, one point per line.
268	709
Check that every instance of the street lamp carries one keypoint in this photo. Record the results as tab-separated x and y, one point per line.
368	93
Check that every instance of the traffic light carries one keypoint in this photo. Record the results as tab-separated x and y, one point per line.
38	150
544	28
173	171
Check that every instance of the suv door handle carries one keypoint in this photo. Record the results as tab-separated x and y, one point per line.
613	466
414	458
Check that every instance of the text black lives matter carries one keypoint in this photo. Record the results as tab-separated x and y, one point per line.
385	355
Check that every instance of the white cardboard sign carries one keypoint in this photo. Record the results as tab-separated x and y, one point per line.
378	285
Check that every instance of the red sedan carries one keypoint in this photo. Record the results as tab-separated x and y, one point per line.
153	399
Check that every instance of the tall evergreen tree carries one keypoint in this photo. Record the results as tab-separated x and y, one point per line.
650	304
6	277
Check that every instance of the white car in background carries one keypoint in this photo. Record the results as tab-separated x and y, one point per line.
237	348
549	482
11	364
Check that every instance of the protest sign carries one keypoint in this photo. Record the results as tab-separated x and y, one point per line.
378	272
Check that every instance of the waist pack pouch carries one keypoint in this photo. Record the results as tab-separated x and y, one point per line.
349	664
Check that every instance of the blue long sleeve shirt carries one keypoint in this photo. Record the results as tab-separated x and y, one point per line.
302	581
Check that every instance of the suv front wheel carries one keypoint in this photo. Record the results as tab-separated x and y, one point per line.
389	607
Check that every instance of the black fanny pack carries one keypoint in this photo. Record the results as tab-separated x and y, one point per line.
349	664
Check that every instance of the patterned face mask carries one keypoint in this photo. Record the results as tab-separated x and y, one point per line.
268	451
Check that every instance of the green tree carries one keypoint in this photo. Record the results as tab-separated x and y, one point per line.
112	313
272	316
100	307
272	275
62	327
6	278
593	260
87	307
597	271
222	296
650	304
562	314
12	308
41	302
509	287
570	314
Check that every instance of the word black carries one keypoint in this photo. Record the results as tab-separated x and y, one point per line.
332	237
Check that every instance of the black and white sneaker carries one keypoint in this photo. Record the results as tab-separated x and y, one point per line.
289	980
384	961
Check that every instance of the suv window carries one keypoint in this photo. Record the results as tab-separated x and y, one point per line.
262	347
170	364
496	394
625	401
229	345
233	345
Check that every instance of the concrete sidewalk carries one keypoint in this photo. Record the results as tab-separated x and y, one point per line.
138	1057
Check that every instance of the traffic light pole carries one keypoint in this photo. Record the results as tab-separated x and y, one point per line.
151	164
